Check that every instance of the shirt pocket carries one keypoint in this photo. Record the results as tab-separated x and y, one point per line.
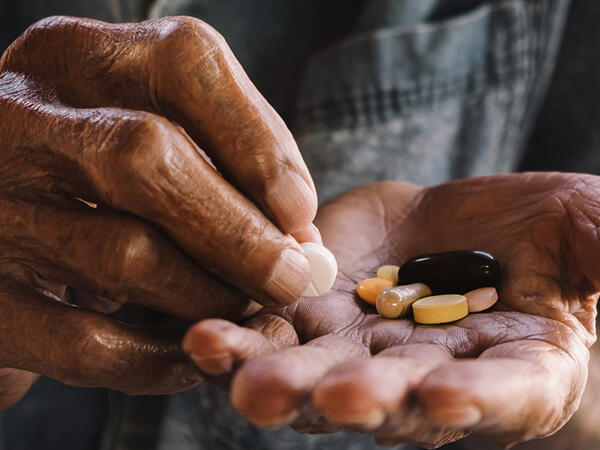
431	101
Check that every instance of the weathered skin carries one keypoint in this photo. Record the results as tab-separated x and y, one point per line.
89	111
513	374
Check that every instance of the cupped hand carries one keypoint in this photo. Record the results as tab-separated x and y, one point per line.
139	164
514	373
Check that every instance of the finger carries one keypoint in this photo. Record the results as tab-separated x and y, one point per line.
217	346
140	163
84	348
310	234
115	256
363	393
14	384
270	389
514	392
182	68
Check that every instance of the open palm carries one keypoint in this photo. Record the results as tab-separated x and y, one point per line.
514	373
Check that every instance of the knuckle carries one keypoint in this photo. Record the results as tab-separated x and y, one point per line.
183	30
185	39
34	42
96	344
50	24
140	154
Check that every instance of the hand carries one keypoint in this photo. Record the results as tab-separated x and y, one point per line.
513	374
104	198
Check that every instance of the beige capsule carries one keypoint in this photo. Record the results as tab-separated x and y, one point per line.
388	272
395	301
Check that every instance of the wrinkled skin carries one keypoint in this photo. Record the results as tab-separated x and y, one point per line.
514	373
138	164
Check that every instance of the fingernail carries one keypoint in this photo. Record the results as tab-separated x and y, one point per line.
292	201
309	234
374	418
289	278
276	420
214	364
369	419
463	416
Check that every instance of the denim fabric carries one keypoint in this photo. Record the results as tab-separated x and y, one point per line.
566	135
417	90
16	16
55	416
204	419
428	102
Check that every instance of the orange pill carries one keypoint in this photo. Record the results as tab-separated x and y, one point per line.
370	288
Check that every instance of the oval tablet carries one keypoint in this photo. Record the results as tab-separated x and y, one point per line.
388	272
458	271
370	288
440	309
481	299
323	269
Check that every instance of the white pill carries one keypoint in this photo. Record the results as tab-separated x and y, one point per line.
323	269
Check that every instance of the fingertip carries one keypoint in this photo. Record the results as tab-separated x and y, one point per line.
459	416
343	397
216	364
263	391
205	335
347	403
361	392
292	202
208	344
446	401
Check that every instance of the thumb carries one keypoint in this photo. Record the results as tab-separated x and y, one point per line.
14	384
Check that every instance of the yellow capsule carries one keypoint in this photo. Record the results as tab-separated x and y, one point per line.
440	309
370	288
388	272
394	301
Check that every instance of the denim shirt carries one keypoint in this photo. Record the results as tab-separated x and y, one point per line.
416	90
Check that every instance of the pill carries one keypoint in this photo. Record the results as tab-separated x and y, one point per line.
388	272
370	288
395	301
457	271
440	309
323	269
481	299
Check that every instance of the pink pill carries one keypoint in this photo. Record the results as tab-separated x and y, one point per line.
481	299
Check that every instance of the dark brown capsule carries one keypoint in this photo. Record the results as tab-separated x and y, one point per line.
453	272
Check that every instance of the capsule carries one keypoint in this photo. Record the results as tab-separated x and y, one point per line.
458	271
388	272
370	288
395	301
